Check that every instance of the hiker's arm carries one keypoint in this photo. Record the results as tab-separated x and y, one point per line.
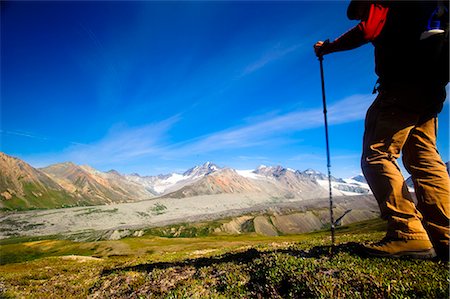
351	39
366	31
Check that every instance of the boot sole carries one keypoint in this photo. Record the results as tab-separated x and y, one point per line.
422	254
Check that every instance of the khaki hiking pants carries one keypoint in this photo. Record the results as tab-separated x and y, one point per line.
389	131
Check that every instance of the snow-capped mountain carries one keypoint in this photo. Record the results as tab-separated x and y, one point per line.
199	171
317	175
271	171
217	182
272	182
314	174
84	185
359	178
166	183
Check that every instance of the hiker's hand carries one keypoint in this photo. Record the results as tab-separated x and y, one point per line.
321	48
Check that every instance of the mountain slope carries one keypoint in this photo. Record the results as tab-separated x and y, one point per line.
274	182
74	185
218	182
61	185
290	183
316	175
168	183
97	187
24	187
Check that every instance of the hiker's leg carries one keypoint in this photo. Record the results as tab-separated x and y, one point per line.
431	181
386	131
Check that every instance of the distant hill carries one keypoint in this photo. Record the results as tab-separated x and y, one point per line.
24	187
97	187
225	181
317	175
359	178
269	181
68	184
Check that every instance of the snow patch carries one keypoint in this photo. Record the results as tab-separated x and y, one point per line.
249	174
351	187
174	178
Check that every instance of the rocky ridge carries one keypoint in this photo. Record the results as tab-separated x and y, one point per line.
68	184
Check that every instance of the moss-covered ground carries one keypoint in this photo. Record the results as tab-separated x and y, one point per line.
216	266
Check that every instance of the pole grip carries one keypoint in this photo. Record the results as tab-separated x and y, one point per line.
325	44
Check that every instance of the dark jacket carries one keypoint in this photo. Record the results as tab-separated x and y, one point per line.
417	70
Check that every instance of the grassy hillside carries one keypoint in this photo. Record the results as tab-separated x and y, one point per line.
35	197
214	266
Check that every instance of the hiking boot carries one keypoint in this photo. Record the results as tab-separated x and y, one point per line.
390	247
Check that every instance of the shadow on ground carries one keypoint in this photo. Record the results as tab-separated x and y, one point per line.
248	256
321	271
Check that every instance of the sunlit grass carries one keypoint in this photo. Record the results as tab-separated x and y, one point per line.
216	266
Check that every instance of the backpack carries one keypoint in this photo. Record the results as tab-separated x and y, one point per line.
412	52
433	51
414	41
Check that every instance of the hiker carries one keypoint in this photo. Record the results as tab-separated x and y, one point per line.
411	62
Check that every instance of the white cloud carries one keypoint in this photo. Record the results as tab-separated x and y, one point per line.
272	54
350	109
128	146
122	144
23	134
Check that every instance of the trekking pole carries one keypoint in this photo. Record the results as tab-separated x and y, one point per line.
328	147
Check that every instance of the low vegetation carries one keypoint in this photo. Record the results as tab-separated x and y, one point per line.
35	198
96	210
205	265
158	209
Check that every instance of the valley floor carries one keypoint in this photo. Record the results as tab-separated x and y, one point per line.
216	266
120	220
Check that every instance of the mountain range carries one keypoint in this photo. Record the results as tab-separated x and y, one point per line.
67	184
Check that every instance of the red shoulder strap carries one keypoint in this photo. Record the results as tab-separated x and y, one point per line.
376	19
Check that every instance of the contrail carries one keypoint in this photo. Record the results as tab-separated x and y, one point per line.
33	136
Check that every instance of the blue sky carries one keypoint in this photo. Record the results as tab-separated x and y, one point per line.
156	87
